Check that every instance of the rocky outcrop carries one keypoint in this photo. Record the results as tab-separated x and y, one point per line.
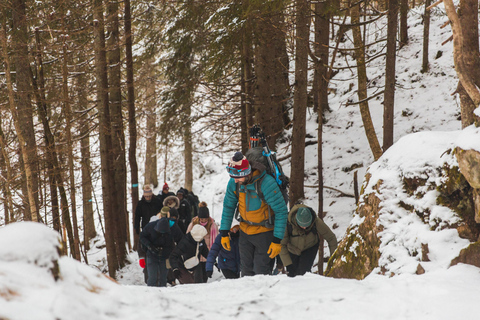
418	201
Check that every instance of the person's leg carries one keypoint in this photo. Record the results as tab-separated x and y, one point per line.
199	273
261	259
153	264
292	268
305	262
163	272
229	274
247	251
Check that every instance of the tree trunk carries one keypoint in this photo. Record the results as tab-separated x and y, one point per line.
468	16
389	96
119	200
403	22
270	67
71	166
459	57
132	122
48	136
297	174
6	179
151	136
188	153
104	134
320	96
23	110
89	231
362	84
247	78
426	36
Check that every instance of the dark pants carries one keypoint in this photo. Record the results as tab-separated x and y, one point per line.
304	262
229	274
253	253
197	275
157	271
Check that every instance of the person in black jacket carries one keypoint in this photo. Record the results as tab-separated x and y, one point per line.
158	242
228	261
165	193
146	208
185	258
184	211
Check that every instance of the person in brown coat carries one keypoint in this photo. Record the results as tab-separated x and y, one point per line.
301	240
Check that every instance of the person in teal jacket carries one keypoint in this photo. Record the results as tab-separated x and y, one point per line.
263	214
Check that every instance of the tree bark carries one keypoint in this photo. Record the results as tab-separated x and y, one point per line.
426	36
6	179
271	66
297	174
461	66
362	83
132	122
48	136
468	16
151	136
403	22
119	200
389	96
247	78
22	110
71	166
104	134
320	95
188	152
89	231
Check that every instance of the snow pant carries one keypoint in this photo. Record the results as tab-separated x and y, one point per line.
304	262
253	253
157	270
229	274
196	275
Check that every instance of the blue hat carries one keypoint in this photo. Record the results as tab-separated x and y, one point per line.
304	217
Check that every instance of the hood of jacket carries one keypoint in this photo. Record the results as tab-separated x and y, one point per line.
175	199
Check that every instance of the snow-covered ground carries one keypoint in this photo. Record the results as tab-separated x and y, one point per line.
423	103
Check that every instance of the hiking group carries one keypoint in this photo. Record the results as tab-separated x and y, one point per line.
180	241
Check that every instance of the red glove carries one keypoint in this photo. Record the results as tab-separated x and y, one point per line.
141	262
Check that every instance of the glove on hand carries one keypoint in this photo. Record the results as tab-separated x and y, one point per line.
176	273
209	273
226	243
274	249
141	262
155	251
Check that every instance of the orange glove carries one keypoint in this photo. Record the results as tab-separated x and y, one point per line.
226	243
274	249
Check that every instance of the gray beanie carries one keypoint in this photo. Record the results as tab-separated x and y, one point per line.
304	217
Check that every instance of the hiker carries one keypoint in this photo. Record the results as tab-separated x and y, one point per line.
147	207
228	261
263	214
165	193
175	229
301	240
184	211
192	201
185	258
205	220
158	242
